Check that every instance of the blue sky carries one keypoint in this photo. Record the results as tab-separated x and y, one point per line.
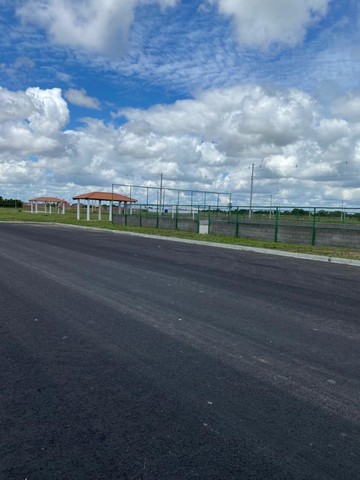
95	93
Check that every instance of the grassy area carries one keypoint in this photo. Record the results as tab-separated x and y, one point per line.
7	214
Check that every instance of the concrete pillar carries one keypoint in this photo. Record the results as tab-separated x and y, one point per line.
111	211
99	216
50	208
45	208
78	210
32	207
36	207
63	208
88	210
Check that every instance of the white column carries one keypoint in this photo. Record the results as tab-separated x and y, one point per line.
36	207
78	209
63	208
50	208
88	210
32	207
99	210
45	208
119	208
110	211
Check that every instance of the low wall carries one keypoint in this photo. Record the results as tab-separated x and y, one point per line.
305	233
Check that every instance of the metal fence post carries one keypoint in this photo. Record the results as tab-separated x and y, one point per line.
276	224
313	228
237	223
209	218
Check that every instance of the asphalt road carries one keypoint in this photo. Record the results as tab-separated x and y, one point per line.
132	358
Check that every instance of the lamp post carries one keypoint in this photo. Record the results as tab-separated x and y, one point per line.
251	189
161	191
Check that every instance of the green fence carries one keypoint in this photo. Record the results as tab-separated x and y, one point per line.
300	225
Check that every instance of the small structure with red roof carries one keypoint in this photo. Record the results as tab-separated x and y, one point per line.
48	202
110	197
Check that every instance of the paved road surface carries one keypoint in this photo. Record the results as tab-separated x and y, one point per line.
132	358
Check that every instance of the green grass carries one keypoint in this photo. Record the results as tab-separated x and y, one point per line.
7	214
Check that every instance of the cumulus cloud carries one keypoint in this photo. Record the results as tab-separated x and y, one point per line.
231	116
32	120
261	23
205	143
100	27
347	107
81	99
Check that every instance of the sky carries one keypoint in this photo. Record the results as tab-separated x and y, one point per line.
98	95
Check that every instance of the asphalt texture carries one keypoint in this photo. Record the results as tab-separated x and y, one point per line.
124	357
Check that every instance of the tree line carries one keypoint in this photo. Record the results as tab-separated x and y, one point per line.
10	202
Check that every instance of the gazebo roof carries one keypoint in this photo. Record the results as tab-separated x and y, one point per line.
107	196
47	199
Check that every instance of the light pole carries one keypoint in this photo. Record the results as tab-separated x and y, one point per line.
251	189
161	190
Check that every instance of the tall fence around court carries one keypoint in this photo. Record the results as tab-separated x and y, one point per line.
298	225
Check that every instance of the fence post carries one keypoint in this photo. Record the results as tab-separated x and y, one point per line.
198	219
313	228
140	216
276	224
176	217
237	223
209	218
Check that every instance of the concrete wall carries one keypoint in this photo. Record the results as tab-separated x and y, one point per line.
326	234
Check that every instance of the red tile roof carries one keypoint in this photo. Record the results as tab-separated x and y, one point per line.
108	196
47	199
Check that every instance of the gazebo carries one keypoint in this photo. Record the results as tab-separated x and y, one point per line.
47	202
110	197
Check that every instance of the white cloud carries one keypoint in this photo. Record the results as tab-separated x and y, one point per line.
64	77
333	129
31	121
235	116
261	23
80	98
348	107
282	165
208	142
50	112
14	105
100	27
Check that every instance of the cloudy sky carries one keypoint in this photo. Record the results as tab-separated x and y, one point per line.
121	91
